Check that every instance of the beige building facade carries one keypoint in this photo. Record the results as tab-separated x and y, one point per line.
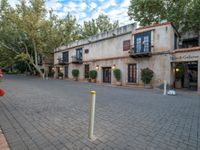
130	50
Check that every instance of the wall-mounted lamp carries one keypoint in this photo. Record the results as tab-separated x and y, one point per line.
97	67
113	67
177	69
53	69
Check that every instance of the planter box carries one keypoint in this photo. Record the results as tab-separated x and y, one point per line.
118	83
93	80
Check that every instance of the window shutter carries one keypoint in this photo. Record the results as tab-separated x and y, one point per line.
126	45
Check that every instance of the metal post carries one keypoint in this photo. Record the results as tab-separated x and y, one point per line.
165	87
91	114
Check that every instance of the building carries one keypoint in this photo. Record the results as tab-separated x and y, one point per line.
130	50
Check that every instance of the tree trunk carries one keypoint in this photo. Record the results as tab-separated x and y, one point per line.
38	69
36	60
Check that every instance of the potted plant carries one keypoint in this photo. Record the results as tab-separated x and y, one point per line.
60	75
75	74
146	77
117	74
93	75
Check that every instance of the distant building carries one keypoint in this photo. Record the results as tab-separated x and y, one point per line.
130	50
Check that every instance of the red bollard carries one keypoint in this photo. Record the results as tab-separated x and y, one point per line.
2	92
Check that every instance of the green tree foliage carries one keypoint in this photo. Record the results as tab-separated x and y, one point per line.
184	13
104	23
117	74
146	75
93	74
30	32
95	26
27	33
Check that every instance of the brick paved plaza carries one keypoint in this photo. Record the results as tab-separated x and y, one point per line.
41	114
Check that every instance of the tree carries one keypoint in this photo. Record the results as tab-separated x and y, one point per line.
95	26
104	23
183	13
89	28
28	34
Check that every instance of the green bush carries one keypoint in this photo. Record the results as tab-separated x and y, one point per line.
75	73
93	74
146	75
117	74
60	74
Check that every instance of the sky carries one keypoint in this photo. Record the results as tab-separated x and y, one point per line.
85	10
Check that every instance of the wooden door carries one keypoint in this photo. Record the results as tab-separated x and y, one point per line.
107	74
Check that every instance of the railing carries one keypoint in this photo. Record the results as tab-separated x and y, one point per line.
142	53
62	62
77	60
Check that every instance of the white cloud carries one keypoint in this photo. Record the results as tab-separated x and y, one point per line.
13	3
53	4
126	3
93	5
84	12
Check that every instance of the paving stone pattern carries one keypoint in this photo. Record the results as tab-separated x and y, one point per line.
38	114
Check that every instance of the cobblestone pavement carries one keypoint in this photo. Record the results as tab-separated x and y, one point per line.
53	115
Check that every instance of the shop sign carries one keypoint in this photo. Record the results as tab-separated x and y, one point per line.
184	57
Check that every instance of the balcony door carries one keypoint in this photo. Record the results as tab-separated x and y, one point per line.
107	74
143	42
79	54
65	57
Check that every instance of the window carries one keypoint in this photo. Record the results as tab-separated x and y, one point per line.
87	70
126	45
132	73
146	43
79	54
65	56
138	44
142	42
175	41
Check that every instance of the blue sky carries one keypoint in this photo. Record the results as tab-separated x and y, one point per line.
85	10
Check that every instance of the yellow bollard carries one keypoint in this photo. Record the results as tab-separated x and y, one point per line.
91	115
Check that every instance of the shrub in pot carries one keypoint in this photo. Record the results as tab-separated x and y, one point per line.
146	77
117	75
75	74
93	75
60	75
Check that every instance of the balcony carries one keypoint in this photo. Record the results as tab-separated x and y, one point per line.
138	54
62	62
77	60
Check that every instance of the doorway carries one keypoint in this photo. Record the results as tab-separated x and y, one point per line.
186	75
66	71
87	70
107	74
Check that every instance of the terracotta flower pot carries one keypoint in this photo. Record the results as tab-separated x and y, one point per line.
93	80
